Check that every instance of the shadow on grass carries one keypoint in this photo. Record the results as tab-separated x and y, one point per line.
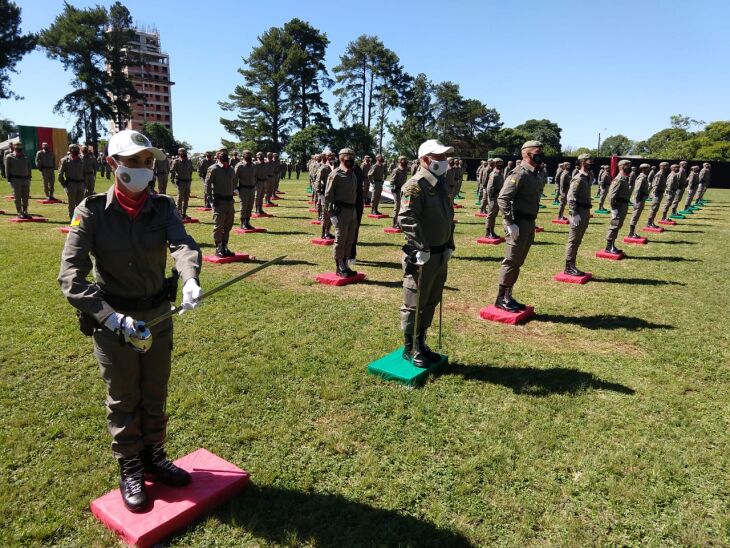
382	283
669	259
536	242
674	242
286	232
636	281
378	244
288	517
530	381
602	321
380	264
476	258
283	262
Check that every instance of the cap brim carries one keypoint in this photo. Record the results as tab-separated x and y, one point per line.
438	150
156	152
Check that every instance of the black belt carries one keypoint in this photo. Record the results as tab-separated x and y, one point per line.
586	205
75	181
524	216
222	198
437	248
343	204
134	305
183	180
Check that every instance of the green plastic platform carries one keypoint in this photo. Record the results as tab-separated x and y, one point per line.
478	202
601	211
541	206
686	212
676	216
393	367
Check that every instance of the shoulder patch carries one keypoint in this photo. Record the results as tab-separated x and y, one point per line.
411	189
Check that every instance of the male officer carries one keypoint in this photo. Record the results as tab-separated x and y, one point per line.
365	166
45	162
604	181
450	177
276	168
704	182
579	205
657	192
493	188
182	176
483	181
518	201
71	178
203	166
320	185
509	169
234	159
270	171
641	193
220	182
120	239
398	178
427	220
377	177
619	194
91	166
246	183
162	172
18	172
261	178
673	180
563	186
339	198
681	186
693	181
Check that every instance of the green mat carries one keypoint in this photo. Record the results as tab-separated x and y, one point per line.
686	212
602	211
677	216
393	367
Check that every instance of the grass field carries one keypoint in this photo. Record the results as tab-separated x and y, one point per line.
602	422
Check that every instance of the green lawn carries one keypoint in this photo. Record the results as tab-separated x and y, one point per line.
603	421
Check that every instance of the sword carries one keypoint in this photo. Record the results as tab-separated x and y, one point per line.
418	310
175	309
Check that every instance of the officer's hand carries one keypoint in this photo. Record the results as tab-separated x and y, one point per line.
422	257
135	333
514	231
575	220
191	294
448	253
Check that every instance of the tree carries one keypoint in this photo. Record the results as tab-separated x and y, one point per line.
448	111
162	138
307	73
311	140
7	127
686	123
418	118
77	39
511	140
620	145
13	45
118	57
262	105
545	131
356	137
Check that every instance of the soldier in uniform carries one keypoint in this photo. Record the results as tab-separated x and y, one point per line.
509	169
71	178
261	177
673	180
234	159
604	181
245	172
91	166
127	232
681	186
493	188
450	177
270	178
483	181
632	177
377	177
427	220
693	181
518	202
641	193
650	177
398	177
340	196
619	194
563	185
220	182
203	166
45	162
277	174
351	257
704	182
579	205
182	176
657	191
365	166
162	172
320	185
18	171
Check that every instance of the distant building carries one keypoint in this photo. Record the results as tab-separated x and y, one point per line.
152	80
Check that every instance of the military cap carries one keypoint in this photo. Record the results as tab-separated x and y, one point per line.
624	162
706	164
346	151
497	160
532	144
695	168
433	146
585	156
73	145
246	152
450	159
662	164
402	158
181	149
644	166
674	165
682	162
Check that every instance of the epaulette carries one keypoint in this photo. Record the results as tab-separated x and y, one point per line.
96	196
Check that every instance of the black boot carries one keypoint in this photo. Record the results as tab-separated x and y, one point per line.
227	251
412	353
247	225
243	225
430	355
324	230
340	271
349	271
513	302
220	251
503	302
572	270
611	247
131	484
632	232
157	465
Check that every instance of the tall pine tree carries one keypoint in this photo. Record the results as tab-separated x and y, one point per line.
119	57
13	45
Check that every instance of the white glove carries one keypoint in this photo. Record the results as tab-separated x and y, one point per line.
135	333
448	253
191	294
575	221
513	231
422	257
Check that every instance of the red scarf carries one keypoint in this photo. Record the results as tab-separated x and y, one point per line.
131	206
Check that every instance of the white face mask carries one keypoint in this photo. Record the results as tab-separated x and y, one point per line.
438	167
134	178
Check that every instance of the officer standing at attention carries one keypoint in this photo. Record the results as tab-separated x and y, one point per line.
320	185
182	175
657	191
563	187
220	182
641	192
672	186
493	188
427	220
619	194
162	172
579	205
45	162
91	166
693	181
365	166
203	166
518	201
704	181
632	177
681	186
377	176
127	232
71	178
18	172
398	177
261	177
246	183
604	181
234	159
339	198
270	178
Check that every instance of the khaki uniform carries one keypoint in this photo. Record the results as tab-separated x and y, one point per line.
219	186
71	178
365	167
320	185
129	258
277	176
657	192
579	203
205	163
518	201
704	183
270	180
671	191
377	177
235	160
182	175
632	179
91	166
563	187
619	194
450	178
427	220
339	198
484	180
693	181
45	162
162	172
604	181
398	178
641	193
458	180
681	187
494	187
261	178
246	184
18	172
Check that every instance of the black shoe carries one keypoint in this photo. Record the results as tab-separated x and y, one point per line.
243	225
220	251
512	300
430	355
572	270
131	484
503	302
412	354
329	236
341	270
157	465
611	248
228	252
248	226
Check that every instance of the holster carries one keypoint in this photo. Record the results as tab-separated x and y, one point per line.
169	286
87	323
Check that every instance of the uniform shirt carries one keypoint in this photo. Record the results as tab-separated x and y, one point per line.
44	159
398	177
90	163
341	188
652	174
220	181
377	173
579	193
235	161
693	179
161	166
564	182
366	169
495	184
129	255
269	168
320	179
682	181
619	192
205	163
245	175
672	182
450	177
275	167
641	188
660	183
17	167
182	170
705	176
604	179
70	170
632	178
426	216
558	173
521	193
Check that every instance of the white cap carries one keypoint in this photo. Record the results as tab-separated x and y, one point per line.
433	146
129	142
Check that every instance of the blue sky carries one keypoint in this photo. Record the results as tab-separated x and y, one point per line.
614	67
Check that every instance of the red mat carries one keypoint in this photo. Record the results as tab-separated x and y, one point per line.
560	221
640	241
64	229
237	258
313	210
214	482
203	209
539	229
49	201
490	241
563	277
261	215
610	256
310	202
330	278
457	206
392	230
494	314
2	212
271	205
657	230
31	220
668	223
322	241
315	222
276	198
478	214
190	221
249	230
10	198
376	216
